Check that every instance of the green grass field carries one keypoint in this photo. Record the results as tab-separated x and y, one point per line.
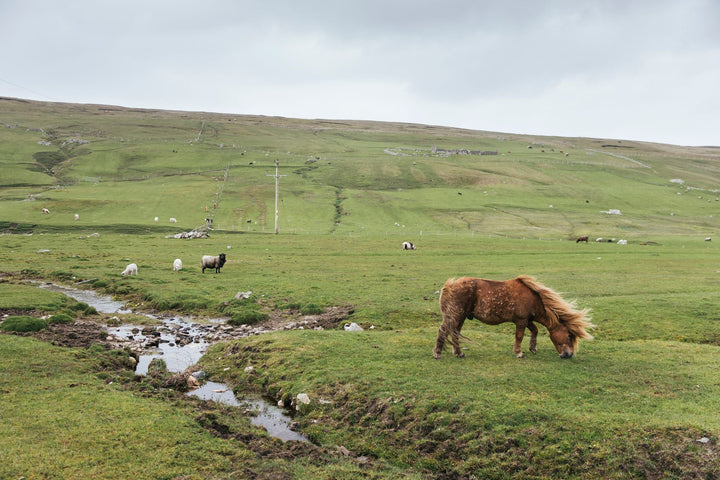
633	403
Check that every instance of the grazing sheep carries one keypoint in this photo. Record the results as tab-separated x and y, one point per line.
156	219
708	239
131	269
177	265
208	261
45	210
173	220
622	242
77	217
408	246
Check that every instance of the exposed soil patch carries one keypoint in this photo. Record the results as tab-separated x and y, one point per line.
81	334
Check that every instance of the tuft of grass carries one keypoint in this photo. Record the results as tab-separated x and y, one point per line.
311	309
23	323
61	318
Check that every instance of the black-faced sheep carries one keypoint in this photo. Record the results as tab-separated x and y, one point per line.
208	261
408	246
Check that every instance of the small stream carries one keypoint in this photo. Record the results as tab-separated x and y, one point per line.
180	343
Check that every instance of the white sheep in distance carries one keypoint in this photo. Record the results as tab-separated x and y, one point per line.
177	265
173	220
131	269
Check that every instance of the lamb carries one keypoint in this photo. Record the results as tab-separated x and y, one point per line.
208	261
177	265
131	269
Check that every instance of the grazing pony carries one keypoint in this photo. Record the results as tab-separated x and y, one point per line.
583	238
522	300
208	261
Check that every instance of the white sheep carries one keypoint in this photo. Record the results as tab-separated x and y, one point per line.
173	220
408	246
177	265
131	269
45	210
77	217
156	219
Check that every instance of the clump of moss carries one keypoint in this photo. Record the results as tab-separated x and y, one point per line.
23	324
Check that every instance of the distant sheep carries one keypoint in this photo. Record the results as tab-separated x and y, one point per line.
173	220
177	265
156	219
583	238
708	239
77	217
622	242
408	246
208	261
45	210
131	269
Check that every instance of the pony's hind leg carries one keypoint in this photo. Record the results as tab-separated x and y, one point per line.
455	339
449	331
533	337
440	342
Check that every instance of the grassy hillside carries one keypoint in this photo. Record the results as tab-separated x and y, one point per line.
632	404
115	166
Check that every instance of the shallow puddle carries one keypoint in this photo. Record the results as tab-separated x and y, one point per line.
263	413
181	343
101	303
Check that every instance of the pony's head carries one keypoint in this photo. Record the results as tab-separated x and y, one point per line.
564	340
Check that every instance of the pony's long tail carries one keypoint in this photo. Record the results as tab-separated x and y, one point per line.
558	310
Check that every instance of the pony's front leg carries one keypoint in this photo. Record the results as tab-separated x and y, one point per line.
519	334
533	337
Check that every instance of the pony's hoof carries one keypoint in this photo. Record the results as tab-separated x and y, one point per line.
436	356
533	350
460	355
520	355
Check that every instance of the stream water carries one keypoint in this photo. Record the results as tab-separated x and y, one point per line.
180	343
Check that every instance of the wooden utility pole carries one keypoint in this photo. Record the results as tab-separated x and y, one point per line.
277	188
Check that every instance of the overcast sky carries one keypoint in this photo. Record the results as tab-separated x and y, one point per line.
625	69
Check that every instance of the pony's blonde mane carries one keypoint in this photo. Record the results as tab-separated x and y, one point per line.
560	311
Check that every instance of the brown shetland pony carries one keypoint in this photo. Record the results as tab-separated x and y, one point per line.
522	301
